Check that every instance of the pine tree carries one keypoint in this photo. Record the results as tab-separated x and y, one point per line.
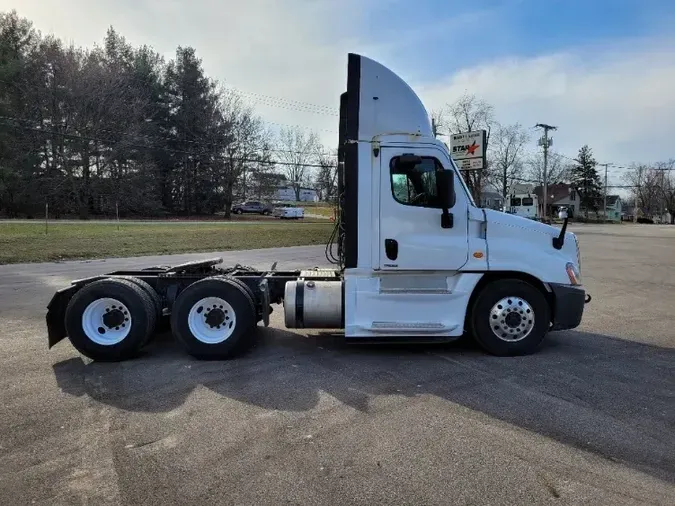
586	180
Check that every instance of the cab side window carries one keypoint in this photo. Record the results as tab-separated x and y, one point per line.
414	184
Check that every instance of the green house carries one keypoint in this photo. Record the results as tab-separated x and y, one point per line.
614	208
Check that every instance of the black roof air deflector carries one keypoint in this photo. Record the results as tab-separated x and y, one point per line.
350	167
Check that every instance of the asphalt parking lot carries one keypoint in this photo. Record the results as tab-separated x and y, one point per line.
305	419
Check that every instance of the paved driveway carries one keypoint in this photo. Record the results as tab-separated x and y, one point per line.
305	419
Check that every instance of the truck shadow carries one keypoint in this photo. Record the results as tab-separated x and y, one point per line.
613	397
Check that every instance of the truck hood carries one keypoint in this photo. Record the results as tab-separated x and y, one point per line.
519	244
511	220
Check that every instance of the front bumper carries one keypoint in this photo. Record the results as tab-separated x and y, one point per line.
568	306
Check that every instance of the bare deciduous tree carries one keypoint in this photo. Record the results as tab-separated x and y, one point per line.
326	176
506	156
247	148
558	168
438	125
645	183
296	150
466	114
653	186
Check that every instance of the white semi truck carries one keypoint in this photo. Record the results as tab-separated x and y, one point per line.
416	258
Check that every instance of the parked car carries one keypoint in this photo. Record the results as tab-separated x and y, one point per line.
252	206
285	210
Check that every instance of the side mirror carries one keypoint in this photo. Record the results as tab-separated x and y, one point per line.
446	194
446	188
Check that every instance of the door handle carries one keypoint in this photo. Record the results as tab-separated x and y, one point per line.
391	248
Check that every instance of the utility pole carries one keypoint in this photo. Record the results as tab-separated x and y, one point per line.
546	143
637	194
604	204
661	200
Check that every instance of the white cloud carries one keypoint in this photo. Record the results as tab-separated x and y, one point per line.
617	98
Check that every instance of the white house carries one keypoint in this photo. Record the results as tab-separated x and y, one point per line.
288	193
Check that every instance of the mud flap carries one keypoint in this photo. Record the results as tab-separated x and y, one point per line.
265	293
56	314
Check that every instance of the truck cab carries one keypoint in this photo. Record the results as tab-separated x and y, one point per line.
414	265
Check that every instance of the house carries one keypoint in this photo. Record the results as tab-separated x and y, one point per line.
491	200
288	193
614	208
558	195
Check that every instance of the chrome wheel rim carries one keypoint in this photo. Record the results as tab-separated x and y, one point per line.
512	319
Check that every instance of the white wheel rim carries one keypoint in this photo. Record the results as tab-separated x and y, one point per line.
212	320
106	321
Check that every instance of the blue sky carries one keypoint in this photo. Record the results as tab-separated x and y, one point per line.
493	29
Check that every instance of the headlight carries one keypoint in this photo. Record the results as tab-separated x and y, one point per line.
573	273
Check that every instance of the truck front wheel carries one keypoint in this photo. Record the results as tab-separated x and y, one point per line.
213	318
510	317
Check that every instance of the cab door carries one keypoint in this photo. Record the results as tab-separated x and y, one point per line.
410	235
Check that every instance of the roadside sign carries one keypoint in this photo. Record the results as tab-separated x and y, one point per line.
468	149
470	164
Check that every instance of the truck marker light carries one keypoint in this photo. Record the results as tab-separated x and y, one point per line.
478	254
573	274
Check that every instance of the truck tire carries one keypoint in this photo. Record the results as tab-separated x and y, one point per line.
510	317
160	324
249	294
110	319
213	318
154	296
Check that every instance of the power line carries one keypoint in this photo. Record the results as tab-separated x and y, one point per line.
327	109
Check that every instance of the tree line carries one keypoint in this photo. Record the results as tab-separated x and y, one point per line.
86	131
652	188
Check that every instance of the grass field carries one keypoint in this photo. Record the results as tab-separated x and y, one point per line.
27	242
327	211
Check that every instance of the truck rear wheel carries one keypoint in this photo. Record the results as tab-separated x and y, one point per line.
110	319
156	301
214	318
510	317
